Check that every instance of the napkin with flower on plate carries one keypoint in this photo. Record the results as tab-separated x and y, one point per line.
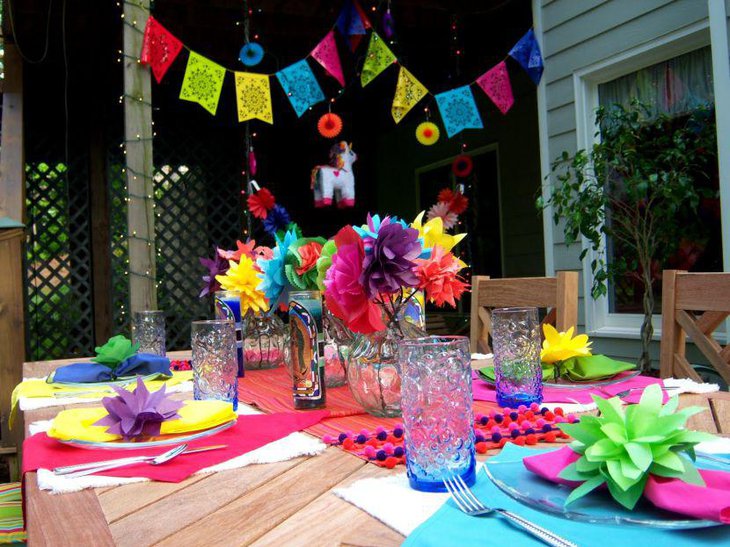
641	450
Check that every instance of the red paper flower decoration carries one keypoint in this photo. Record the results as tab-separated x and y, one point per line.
439	277
462	166
456	201
261	203
329	125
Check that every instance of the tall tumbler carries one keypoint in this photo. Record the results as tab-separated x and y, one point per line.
437	410
148	329
214	361
516	346
228	306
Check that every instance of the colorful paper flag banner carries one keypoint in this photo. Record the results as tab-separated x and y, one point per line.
408	91
300	86
458	110
253	97
495	83
159	48
527	53
377	59
352	23
202	82
326	55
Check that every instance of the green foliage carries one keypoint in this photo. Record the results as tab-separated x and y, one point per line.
621	448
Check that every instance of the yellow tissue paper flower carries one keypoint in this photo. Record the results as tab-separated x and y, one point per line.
433	233
243	277
559	346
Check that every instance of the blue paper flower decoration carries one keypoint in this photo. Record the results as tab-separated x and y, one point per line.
277	219
251	54
273	271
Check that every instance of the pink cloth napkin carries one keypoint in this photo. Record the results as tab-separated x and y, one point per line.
486	392
710	502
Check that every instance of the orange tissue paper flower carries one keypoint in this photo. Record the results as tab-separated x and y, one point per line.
439	277
309	253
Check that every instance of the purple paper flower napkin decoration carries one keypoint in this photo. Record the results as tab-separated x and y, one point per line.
216	266
390	264
138	414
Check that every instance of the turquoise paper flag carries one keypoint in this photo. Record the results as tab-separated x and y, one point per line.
301	86
458	110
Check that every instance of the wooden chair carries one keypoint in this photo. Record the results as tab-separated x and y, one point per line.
694	305
558	294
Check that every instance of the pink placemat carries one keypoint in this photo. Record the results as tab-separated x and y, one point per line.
484	391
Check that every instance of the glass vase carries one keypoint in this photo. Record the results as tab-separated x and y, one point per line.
373	370
437	411
264	340
337	338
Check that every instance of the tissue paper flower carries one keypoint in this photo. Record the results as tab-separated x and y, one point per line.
138	414
441	210
216	266
389	267
241	249
438	276
273	274
243	277
621	448
456	200
277	219
329	125
432	233
301	260
559	346
116	350
344	292
260	203
324	262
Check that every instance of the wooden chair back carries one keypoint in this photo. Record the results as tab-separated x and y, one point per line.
559	295
694	305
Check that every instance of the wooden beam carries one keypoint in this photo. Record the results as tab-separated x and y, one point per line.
12	160
138	141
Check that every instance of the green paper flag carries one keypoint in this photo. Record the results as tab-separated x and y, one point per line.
377	59
203	82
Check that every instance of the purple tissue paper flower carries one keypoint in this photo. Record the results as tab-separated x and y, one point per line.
216	266
389	266
139	413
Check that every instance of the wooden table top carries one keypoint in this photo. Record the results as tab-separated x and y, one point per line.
285	503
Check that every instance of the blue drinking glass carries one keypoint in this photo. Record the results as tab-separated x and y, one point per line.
516	346
437	411
228	306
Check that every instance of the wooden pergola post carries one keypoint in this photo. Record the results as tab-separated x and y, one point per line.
138	149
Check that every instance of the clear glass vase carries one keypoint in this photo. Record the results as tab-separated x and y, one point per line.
373	370
264	341
337	339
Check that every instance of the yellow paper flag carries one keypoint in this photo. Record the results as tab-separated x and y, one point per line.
253	97
377	59
203	82
408	92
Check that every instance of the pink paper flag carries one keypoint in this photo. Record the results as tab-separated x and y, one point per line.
326	55
495	83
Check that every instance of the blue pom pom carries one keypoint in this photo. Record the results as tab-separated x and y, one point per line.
398	451
381	455
544	410
479	438
397	433
483	420
342	437
382	436
499	418
515	433
513	415
496	437
530	431
546	428
251	54
361	439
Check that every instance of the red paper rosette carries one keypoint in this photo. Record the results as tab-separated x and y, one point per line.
261	203
329	125
462	165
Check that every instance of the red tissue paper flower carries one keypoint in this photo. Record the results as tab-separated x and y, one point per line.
438	276
457	201
260	203
329	125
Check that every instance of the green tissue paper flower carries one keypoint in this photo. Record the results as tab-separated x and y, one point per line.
621	448
301	261
116	350
324	262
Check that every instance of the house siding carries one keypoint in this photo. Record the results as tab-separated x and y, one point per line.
578	34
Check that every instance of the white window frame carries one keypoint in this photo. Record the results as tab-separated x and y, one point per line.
598	321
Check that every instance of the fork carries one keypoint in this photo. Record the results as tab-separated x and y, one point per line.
470	504
624	393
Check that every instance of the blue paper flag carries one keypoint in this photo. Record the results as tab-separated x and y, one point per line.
527	53
349	21
300	86
458	110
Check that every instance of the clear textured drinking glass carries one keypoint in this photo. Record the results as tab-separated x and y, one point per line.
148	329
228	306
437	410
516	347
214	361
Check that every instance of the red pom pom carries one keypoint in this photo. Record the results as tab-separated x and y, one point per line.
520	441
502	442
549	416
372	442
481	448
531	439
558	411
348	444
392	439
529	415
506	422
390	462
549	437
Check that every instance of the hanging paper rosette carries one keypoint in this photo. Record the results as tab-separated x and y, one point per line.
251	54
462	165
427	133
329	125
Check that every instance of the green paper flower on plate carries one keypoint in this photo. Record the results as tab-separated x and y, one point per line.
621	448
116	350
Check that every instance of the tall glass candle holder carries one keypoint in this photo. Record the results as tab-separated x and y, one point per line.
437	411
214	363
516	346
228	306
148	330
306	340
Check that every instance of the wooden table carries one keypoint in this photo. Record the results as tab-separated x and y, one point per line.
285	503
